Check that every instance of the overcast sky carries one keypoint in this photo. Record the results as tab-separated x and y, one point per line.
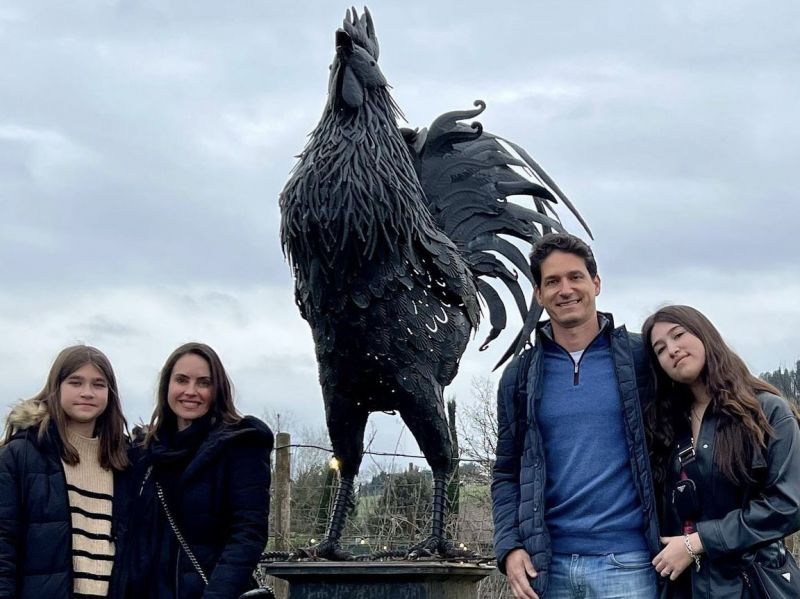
143	145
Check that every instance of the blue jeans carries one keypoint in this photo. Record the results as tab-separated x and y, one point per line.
627	575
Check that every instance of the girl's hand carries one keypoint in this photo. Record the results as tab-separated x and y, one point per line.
673	559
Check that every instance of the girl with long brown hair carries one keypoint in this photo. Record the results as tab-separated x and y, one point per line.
63	484
726	462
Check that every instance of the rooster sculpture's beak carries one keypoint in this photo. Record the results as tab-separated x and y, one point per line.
343	41
348	88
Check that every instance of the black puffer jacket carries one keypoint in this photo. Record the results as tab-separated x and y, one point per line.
219	497
35	525
740	523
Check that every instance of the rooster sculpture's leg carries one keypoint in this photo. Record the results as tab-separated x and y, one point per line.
346	427
330	547
427	422
439	510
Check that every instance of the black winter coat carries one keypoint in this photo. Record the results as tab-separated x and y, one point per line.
220	501
35	524
739	523
518	477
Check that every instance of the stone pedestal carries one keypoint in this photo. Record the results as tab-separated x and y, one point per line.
380	580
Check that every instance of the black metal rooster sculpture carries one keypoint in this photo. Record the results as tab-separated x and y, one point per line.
388	231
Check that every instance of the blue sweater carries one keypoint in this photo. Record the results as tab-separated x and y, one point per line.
591	503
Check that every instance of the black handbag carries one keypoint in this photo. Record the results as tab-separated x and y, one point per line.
765	581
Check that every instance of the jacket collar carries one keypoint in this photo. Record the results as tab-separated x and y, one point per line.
221	435
544	329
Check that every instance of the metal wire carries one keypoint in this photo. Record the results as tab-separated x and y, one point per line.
378	453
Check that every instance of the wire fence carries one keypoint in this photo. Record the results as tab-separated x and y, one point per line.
377	453
392	506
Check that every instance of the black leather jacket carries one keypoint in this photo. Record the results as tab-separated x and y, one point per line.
740	523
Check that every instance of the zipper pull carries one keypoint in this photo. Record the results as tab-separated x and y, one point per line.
144	480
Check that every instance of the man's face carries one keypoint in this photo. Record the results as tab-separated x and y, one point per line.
567	291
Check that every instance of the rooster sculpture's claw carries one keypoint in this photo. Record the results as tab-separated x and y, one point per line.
327	549
439	547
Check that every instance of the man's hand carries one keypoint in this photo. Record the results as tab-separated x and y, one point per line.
673	559
518	569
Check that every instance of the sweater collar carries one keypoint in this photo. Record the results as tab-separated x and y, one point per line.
83	445
544	329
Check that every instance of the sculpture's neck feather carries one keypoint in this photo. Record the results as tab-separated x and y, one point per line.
355	183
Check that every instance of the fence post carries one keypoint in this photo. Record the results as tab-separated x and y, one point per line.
453	487
282	503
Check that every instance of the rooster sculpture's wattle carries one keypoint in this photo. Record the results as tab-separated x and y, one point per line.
388	231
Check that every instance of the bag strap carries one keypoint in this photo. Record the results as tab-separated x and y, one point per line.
687	456
184	545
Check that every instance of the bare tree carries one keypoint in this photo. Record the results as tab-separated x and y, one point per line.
478	425
308	442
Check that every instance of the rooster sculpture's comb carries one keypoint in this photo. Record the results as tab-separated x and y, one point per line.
361	30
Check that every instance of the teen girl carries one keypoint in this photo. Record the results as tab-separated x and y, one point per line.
62	491
726	455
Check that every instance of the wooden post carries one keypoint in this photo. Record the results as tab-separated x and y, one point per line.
282	500
282	497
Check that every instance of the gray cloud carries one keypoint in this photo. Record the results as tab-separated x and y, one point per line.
143	146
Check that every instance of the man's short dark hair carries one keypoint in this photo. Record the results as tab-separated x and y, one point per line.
561	242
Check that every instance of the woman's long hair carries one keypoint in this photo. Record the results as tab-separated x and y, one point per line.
222	408
742	426
110	426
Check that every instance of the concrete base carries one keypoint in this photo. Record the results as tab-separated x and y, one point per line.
379	580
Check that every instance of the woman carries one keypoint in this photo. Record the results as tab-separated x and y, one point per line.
726	457
203	472
64	494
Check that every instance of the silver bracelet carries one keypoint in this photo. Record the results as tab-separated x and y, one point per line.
691	552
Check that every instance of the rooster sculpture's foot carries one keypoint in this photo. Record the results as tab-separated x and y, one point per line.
439	547
327	549
430	547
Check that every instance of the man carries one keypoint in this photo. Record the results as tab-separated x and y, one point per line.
572	497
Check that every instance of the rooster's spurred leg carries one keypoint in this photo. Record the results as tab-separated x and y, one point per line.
426	420
437	544
330	548
346	426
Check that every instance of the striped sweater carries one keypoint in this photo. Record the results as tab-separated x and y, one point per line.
90	491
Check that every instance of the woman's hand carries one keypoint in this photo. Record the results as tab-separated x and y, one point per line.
674	558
